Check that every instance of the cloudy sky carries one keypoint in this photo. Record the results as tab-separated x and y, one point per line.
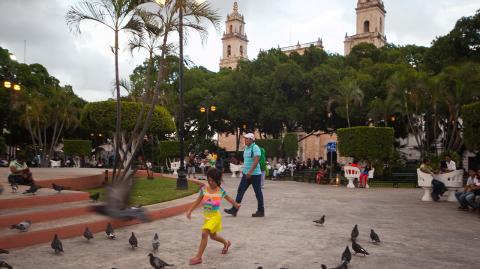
86	62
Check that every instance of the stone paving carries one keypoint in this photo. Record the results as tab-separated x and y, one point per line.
414	234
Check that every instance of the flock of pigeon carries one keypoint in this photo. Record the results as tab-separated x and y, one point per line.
57	245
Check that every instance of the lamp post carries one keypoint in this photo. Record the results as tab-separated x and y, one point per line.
206	109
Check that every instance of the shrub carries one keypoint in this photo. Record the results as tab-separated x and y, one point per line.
3	146
471	123
77	147
290	145
366	143
167	149
273	147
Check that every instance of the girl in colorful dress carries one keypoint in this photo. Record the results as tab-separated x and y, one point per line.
211	196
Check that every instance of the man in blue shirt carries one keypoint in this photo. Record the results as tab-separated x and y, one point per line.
251	175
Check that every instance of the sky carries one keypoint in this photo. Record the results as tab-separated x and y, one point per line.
86	62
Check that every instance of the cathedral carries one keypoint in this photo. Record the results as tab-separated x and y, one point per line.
370	28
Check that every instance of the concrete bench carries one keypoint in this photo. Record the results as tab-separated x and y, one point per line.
351	173
55	164
234	168
174	166
452	180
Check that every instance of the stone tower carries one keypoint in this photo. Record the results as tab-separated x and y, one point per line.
234	40
370	25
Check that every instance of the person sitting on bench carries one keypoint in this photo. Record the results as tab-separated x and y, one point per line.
20	173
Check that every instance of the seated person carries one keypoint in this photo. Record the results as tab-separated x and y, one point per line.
448	165
467	196
321	173
438	188
20	174
364	175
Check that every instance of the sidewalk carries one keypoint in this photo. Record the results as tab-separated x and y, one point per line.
414	234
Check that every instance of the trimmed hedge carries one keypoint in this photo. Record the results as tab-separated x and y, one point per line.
101	116
167	149
77	147
290	145
273	147
471	123
366	143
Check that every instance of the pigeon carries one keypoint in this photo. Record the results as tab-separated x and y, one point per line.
95	196
155	242
14	187
4	264
87	234
22	226
133	241
355	232
109	231
157	263
358	249
342	266
320	221
4	251
33	189
58	188
374	236
346	255
57	244
323	266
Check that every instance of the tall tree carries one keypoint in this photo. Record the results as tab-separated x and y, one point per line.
348	95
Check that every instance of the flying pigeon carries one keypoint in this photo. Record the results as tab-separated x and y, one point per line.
58	188
155	242
346	255
57	244
22	226
358	249
4	251
157	263
320	221
4	264
95	196
87	234
355	232
133	241
109	231
374	236
33	189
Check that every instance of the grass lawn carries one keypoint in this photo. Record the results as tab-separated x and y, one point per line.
148	192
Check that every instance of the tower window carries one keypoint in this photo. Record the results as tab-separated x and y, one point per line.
366	27
231	28
381	28
241	50
229	51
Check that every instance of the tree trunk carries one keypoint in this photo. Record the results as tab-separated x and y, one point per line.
118	112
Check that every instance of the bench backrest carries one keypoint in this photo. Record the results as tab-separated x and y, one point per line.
351	171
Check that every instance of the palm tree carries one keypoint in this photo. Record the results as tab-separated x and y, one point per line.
348	95
117	15
382	110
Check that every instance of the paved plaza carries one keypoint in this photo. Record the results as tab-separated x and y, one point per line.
414	234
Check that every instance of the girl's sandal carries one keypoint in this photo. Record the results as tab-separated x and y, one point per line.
194	261
225	249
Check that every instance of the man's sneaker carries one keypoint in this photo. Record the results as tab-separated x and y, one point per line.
232	211
258	214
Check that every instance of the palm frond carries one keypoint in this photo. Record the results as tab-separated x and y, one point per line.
85	11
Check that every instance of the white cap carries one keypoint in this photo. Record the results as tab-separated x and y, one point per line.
249	136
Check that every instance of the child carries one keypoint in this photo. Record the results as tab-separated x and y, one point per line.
364	176
211	196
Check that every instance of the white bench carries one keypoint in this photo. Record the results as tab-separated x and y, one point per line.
452	180
174	166
234	168
351	173
54	164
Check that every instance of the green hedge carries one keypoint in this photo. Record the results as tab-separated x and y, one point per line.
290	145
471	123
77	147
273	147
167	149
366	143
3	146
101	116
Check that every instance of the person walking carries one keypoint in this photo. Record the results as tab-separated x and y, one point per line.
211	196
251	176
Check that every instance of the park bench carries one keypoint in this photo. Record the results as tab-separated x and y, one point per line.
352	173
452	180
305	175
54	164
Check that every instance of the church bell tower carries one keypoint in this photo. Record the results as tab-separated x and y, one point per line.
234	40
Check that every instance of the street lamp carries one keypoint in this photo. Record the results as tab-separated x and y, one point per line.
205	109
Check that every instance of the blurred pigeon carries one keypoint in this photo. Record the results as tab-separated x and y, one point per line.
342	266
323	266
320	221
4	251
109	231
1	189
4	264
14	187
33	189
157	263
87	234
95	196
58	188
355	232
155	242
260	267
374	236
57	244
133	241
22	226
346	255
358	249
